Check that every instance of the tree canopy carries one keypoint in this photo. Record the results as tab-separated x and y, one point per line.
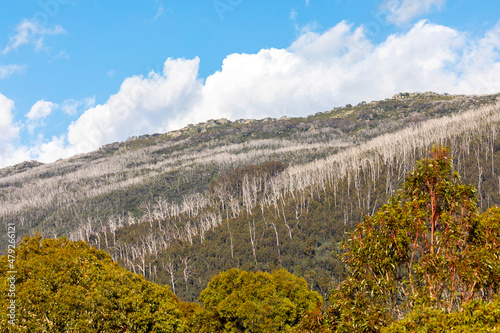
475	316
65	286
240	301
428	246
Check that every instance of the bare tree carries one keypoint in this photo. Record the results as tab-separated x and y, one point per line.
251	230
170	266
186	271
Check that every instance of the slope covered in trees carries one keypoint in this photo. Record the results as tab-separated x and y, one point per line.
266	194
296	217
73	197
426	261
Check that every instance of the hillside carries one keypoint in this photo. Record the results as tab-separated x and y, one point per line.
182	206
427	261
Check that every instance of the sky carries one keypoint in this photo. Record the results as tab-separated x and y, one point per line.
75	75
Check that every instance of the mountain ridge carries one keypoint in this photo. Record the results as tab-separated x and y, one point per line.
201	127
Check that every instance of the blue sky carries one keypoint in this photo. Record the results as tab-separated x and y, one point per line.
75	75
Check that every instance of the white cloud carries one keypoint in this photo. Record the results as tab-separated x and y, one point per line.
31	32
41	109
60	55
143	105
480	65
8	130
52	150
159	12
71	106
11	154
8	70
317	72
9	133
404	11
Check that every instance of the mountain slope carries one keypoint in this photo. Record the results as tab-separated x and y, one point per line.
158	203
182	162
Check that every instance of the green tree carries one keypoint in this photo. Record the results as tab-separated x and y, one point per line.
65	286
240	301
475	316
426	246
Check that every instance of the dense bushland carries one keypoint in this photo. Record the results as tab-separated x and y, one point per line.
427	260
296	217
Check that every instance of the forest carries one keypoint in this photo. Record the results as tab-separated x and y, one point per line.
375	217
426	261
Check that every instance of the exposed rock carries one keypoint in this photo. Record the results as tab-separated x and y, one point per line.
268	119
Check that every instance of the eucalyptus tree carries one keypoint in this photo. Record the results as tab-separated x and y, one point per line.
428	245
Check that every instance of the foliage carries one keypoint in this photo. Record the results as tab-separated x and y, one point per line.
66	286
239	301
427	246
475	316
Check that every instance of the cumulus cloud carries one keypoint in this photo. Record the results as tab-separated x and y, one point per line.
52	150
480	65
404	11
9	133
31	32
8	130
40	110
315	73
8	70
319	71
143	105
